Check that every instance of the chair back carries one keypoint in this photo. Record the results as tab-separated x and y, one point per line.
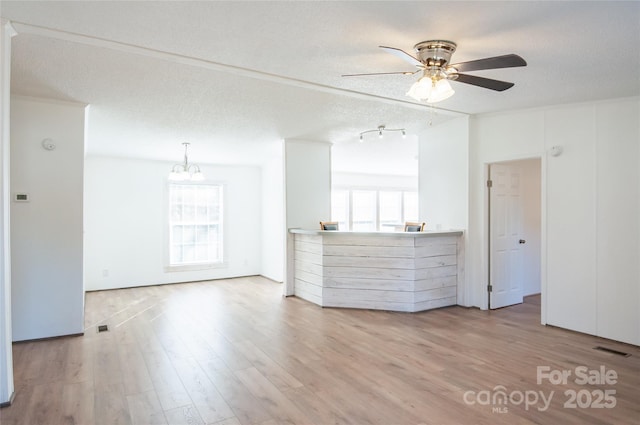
411	226
328	225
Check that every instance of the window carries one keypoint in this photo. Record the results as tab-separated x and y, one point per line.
410	206
363	210
390	209
373	210
195	224
340	208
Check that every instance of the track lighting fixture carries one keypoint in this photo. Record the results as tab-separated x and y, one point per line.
381	130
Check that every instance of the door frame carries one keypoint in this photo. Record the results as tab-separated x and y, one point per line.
485	255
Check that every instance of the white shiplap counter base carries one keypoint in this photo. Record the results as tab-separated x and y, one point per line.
385	271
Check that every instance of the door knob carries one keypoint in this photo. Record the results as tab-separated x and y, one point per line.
521	241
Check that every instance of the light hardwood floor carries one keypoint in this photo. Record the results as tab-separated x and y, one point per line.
236	352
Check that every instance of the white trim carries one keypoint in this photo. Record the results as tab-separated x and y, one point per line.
195	267
50	100
548	108
6	355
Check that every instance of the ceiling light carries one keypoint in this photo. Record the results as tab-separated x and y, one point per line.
186	171
441	90
381	130
432	87
421	89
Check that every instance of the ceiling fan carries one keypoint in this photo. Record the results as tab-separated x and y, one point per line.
433	59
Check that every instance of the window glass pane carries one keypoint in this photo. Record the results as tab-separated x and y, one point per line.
188	212
176	196
340	208
411	206
188	194
213	213
176	234
176	212
364	210
202	234
188	234
201	213
390	210
188	253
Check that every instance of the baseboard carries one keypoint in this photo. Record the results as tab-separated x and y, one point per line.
268	278
48	338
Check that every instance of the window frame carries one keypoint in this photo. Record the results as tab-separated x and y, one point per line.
206	265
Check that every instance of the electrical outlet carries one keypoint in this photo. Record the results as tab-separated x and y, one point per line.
105	273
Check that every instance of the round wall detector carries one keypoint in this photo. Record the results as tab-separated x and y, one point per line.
555	150
48	144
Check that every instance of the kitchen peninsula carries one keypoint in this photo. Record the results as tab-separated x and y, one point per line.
397	271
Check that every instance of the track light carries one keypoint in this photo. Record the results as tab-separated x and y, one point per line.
381	130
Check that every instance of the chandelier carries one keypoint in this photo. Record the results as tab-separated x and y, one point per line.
186	171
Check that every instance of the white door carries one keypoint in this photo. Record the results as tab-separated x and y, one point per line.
505	229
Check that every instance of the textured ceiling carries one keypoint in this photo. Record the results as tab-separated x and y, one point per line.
234	78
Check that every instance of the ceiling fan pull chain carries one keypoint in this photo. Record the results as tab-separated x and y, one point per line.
431	113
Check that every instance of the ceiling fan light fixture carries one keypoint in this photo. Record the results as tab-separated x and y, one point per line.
431	89
441	90
433	57
421	89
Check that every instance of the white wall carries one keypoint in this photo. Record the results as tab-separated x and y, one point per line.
46	244
444	175
308	183
443	184
590	205
571	218
307	173
373	181
6	356
273	225
617	213
125	223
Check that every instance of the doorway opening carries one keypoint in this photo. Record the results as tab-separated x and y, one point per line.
515	231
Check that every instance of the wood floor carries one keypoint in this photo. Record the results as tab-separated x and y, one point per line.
236	352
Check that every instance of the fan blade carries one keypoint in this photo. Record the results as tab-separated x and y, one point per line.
403	55
487	83
505	61
381	73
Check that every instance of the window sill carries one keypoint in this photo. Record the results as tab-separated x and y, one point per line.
194	267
